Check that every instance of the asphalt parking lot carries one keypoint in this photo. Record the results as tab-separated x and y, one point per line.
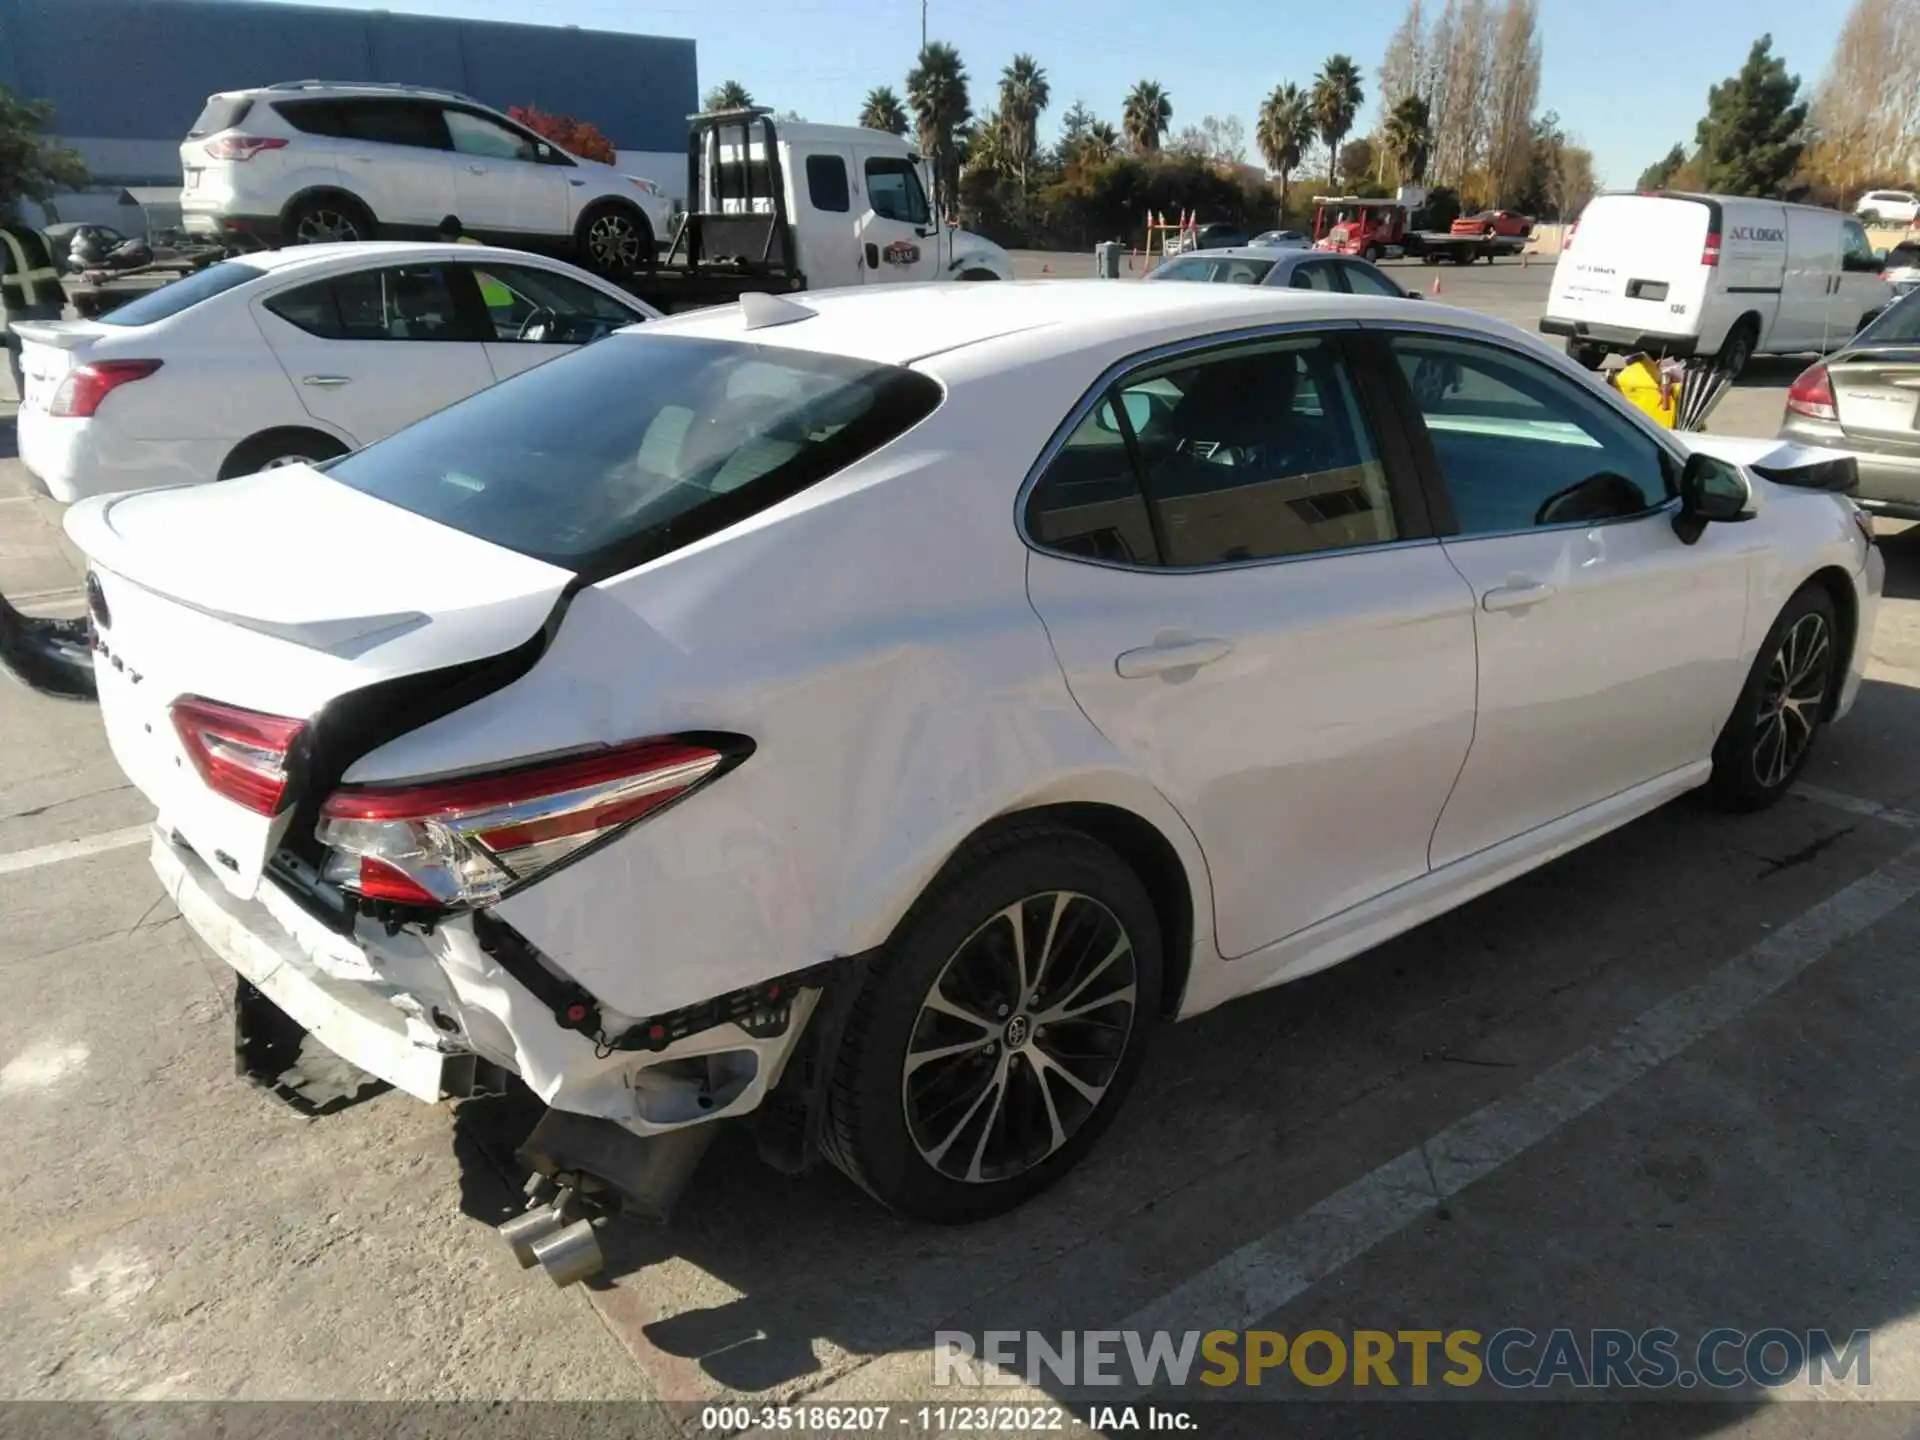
1666	1081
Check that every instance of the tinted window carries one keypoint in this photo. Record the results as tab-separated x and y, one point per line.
394	122
1899	325
1240	272
1363	279
1903	257
827	183
1187	268
314	117
893	190
477	135
526	303
220	114
1521	446
1315	275
620	452
182	293
409	302
1856	252
1258	453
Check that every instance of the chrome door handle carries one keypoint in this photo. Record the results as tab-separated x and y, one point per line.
1151	660
1516	596
476	169
326	382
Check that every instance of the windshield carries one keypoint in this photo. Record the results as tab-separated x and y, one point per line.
633	447
1899	325
183	293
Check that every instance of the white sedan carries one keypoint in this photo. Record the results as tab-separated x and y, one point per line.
298	354
882	710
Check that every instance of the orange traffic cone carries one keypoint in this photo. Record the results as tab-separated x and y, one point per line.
1436	286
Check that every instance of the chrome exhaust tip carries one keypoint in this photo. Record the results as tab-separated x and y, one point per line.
570	1255
523	1231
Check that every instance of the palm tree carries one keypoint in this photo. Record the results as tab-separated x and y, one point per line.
883	111
1408	137
937	91
1100	144
1146	116
1024	94
730	96
1336	100
1286	125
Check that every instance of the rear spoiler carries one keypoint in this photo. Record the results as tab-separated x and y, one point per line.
65	334
54	657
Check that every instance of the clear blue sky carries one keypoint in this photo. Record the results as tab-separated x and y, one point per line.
1624	88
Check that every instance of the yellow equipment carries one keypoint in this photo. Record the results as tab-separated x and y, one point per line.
1644	381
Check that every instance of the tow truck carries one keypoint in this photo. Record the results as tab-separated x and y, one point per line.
1378	228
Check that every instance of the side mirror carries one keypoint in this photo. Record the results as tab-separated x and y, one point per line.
1711	491
1414	295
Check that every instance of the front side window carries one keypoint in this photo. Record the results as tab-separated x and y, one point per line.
525	303
893	190
1241	272
827	184
404	302
476	135
1856	251
1363	279
618	453
1519	445
1258	453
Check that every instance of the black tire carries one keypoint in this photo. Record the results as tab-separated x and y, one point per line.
1590	357
615	240
1869	217
874	1104
272	448
1736	351
1371	254
326	218
1749	772
978	275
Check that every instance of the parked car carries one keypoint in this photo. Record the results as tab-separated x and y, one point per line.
1900	267
292	355
1283	239
1888	207
1493	222
314	161
1217	237
1299	269
879	710
1865	399
1722	275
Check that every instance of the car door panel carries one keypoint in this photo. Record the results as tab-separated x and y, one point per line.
1299	680
898	240
1606	645
394	155
500	185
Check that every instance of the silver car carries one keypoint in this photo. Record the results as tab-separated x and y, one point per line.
1865	398
1297	269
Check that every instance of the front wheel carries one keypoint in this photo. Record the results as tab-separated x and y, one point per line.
1000	1030
616	241
1767	739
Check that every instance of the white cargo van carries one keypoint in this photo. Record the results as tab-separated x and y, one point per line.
1674	274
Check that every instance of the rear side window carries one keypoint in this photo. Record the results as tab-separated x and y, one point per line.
404	302
1897	326
630	449
182	294
222	112
827	184
313	117
394	122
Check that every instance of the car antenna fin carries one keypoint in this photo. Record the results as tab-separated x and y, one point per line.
762	310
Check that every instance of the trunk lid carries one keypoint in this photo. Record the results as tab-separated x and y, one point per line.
1876	394
49	349
1635	262
277	593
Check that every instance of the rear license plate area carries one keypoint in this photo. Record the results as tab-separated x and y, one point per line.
1646	289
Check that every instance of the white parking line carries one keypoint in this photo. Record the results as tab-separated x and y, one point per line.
73	849
1266	1273
1854	805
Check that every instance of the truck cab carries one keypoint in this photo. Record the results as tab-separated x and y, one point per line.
824	206
1349	225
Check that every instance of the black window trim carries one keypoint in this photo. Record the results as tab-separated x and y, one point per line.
1438	497
1384	421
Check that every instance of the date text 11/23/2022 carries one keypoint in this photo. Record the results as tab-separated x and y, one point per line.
880	1420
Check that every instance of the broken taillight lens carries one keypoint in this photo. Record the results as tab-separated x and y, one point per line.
465	842
241	754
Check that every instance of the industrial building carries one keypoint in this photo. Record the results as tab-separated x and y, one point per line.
127	77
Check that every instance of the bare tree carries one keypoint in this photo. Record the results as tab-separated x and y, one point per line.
1866	113
1513	88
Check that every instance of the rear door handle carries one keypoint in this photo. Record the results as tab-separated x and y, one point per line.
326	382
1151	660
1516	595
476	169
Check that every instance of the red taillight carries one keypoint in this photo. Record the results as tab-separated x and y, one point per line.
466	842
1710	255
241	754
1812	394
85	386
1566	240
242	147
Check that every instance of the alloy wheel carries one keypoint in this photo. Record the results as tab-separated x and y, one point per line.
325	226
613	242
1020	1037
1792	698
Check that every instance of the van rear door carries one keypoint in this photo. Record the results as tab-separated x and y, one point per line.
1635	265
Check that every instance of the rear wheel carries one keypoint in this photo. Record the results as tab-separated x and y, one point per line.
325	220
978	275
1767	739
272	449
1000	1030
1371	254
1869	217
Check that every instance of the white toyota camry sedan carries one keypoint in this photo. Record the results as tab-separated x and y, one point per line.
880	711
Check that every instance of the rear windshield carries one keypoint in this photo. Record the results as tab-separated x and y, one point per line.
222	113
1899	325
637	445
187	291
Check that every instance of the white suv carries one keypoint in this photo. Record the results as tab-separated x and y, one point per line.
1888	207
315	160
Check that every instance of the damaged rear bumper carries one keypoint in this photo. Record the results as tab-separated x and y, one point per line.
416	1010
